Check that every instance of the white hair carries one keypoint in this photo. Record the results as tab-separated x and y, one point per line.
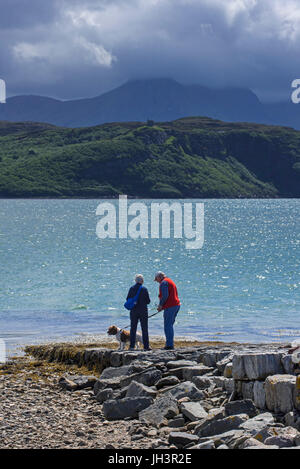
139	278
159	274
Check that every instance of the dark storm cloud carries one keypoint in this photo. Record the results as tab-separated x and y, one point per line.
75	48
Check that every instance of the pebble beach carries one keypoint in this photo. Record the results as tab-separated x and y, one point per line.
199	396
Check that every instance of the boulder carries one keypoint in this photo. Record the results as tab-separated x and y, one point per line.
221	364
259	394
202	382
75	382
285	437
113	383
127	407
280	393
190	371
225	383
177	422
163	408
245	406
288	364
193	411
210	358
138	389
186	389
180	363
105	395
167	381
219	426
181	439
256	366
297	393
148	377
258	423
112	372
244	389
251	442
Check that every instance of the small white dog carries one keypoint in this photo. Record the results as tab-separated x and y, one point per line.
123	336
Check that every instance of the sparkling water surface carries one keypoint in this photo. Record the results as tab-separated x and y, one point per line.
58	280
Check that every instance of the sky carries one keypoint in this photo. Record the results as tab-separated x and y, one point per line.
81	48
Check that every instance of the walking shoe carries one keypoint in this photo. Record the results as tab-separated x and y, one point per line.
147	349
168	348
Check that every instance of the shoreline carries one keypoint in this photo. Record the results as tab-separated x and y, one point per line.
62	401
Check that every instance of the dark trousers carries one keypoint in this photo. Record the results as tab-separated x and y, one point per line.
134	319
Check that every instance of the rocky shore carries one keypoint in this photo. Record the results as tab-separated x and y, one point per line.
205	396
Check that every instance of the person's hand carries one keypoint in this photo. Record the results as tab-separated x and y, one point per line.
159	308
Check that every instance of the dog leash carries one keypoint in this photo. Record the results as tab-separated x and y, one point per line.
148	318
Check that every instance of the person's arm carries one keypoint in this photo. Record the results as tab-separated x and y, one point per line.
164	292
130	295
147	297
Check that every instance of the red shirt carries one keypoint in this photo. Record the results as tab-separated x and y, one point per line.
173	299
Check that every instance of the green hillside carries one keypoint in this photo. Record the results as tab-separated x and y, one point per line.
190	157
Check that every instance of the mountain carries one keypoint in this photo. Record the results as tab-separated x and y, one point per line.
155	99
190	157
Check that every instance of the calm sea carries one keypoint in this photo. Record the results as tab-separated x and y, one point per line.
58	280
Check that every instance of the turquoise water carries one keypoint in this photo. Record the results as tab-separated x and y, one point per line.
59	280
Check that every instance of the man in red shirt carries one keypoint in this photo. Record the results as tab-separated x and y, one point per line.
170	303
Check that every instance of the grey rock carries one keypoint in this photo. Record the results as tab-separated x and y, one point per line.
223	446
259	394
280	393
245	406
148	377
186	389
138	389
165	407
127	407
211	358
219	426
244	389
193	411
288	364
167	381
113	383
221	364
177	422
258	423
202	382
263	447
113	372
75	383
116	359
180	363
283	437
221	382
199	370
229	438
104	395
181	439
280	441
256	366
209	444
249	442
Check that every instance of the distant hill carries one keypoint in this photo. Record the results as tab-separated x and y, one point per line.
190	157
157	99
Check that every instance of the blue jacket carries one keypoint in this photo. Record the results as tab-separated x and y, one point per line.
143	299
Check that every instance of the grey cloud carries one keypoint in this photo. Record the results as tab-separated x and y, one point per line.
82	48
